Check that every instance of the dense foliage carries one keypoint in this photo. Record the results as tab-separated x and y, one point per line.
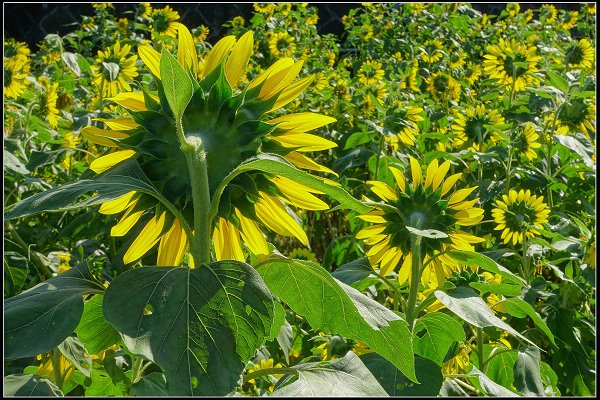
407	209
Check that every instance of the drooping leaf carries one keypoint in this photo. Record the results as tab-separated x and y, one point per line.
200	326
353	271
71	60
40	318
331	306
177	84
520	308
396	384
102	385
490	387
12	163
94	330
466	304
77	354
528	379
575	145
434	334
344	377
22	385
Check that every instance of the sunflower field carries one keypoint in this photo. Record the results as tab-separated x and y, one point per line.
403	209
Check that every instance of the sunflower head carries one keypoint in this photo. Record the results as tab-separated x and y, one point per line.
526	141
163	22
426	203
114	70
520	215
282	44
578	115
512	64
443	87
474	128
580	54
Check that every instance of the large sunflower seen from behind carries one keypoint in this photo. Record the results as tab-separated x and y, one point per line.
512	64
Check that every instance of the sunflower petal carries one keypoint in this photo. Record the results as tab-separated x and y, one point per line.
146	239
275	216
186	49
108	161
238	60
217	54
117	205
172	246
252	235
151	58
102	137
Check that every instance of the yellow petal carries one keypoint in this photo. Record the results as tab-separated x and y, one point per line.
172	246
252	235
119	124
282	180
186	49
304	141
117	205
374	217
146	239
450	182
127	221
226	239
301	122
440	174
102	137
151	58
370	231
108	161
292	91
295	195
390	261
279	65
238	60
400	179
382	190
416	172
301	161
131	100
460	195
276	82
431	170
217	54
275	216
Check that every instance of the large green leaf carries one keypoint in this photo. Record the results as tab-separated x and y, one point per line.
151	385
396	384
94	330
115	182
331	306
490	387
21	385
465	303
528	379
345	377
200	326
353	271
520	308
434	334
274	164
176	83
482	261
500	367
77	354
40	318
505	289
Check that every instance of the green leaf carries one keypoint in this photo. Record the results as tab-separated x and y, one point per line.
472	258
490	387
112	69
200	326
504	289
428	233
102	385
528	379
21	385
71	60
452	389
39	319
12	163
575	145
176	83
396	384
353	271
434	334
114	183
76	353
344	377
520	308
16	268
274	164
465	303
500	367
94	330
151	385
557	81
331	306
549	379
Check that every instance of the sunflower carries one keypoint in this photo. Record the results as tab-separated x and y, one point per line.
264	8
457	59
282	44
88	24
370	73
122	24
14	49
568	20
365	31
114	70
520	215
472	127
200	33
548	14
526	141
378	91
578	115
459	363
580	54
511	63
403	122
427	203
163	22
513	9
432	51
14	77
472	73
145	10
410	78
46	367
443	87
48	98
233	128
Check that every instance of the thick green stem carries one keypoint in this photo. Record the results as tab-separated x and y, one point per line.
196	162
379	149
415	277
135	369
479	333
55	358
270	371
509	167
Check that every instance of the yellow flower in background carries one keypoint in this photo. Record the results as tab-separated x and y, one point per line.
164	22
512	63
526	141
14	77
282	44
589	8
443	87
472	73
578	115
114	71
303	254
426	203
403	121
64	260
548	14
264	8
46	368
252	201
459	363
122	24
200	33
457	59
568	19
265	364
580	54
370	73
47	101
70	141
145	10
410	78
513	9
470	127
17	50
361	348
432	51
520	215
365	31
237	22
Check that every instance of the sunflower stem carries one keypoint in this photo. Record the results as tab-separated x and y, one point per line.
55	358
196	162
415	277
479	333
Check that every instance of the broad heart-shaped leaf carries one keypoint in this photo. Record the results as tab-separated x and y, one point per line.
177	84
396	384
500	367
274	164
331	306
434	334
39	319
200	326
528	379
22	385
575	145
520	308
93	330
465	303
151	385
115	182
345	377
